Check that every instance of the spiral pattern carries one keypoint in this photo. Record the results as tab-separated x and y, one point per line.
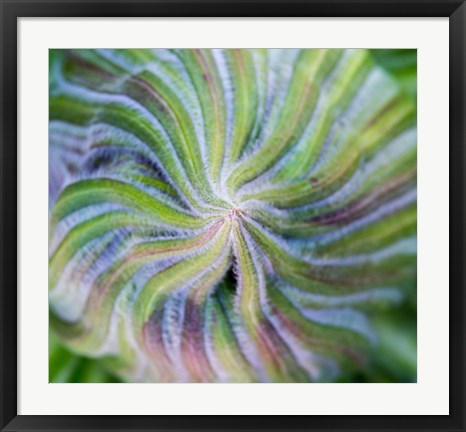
228	215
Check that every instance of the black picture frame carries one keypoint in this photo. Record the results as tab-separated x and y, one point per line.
11	10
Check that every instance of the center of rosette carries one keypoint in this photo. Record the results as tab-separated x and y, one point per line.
234	213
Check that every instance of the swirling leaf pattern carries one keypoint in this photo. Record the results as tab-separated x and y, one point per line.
228	215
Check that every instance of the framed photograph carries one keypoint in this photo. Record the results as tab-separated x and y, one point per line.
218	212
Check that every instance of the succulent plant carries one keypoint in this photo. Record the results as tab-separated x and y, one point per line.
229	215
